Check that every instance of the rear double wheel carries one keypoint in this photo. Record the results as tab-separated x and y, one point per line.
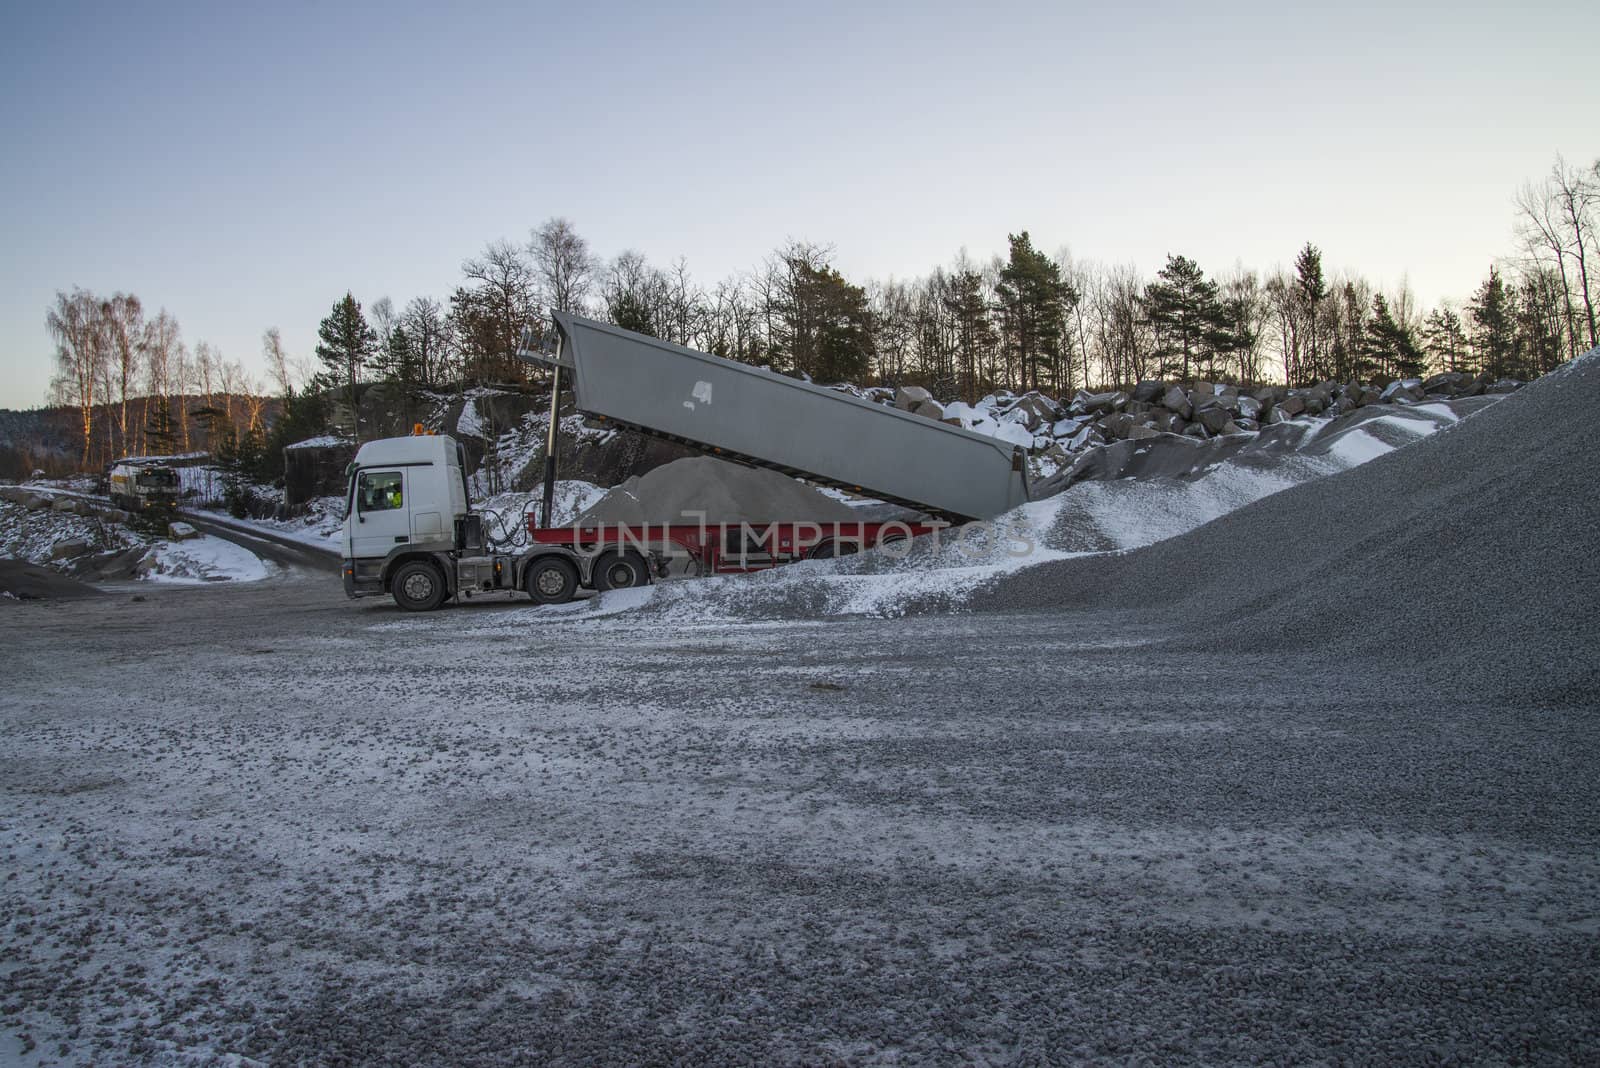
620	571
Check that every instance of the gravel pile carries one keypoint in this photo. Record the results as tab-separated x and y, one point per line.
685	491
1470	556
22	581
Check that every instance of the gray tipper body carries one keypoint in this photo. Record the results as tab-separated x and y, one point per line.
756	417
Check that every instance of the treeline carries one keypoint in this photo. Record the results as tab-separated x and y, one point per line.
135	387
1026	320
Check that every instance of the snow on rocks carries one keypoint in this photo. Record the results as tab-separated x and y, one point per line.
203	558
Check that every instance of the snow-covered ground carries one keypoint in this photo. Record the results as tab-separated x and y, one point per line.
263	823
203	558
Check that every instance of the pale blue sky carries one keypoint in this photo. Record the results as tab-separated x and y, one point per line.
244	168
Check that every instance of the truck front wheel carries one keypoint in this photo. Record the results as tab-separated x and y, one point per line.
417	587
551	580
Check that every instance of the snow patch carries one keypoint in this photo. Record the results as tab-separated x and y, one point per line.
202	559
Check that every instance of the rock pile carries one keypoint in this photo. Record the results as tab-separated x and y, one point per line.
1201	409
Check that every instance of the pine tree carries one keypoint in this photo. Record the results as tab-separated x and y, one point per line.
1446	341
837	344
161	431
398	368
1188	318
974	332
1389	347
631	312
345	342
1310	291
1033	302
1494	333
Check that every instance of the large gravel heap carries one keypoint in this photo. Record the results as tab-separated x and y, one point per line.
686	490
1470	555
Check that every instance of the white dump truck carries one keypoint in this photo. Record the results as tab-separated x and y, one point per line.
137	485
410	531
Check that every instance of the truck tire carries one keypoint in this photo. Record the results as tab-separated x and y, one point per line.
551	580
827	550
620	571
417	586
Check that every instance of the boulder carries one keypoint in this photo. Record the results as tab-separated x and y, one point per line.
1230	427
38	502
1505	385
1204	401
929	409
1247	426
181	531
906	398
1038	409
1065	428
1292	405
1248	408
1176	400
1136	433
65	504
1103	402
1195	430
1149	391
1117	425
1369	396
115	515
1444	382
1202	388
66	550
1214	419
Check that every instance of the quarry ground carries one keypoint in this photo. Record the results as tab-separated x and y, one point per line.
266	823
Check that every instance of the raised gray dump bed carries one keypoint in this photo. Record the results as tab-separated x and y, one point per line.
757	417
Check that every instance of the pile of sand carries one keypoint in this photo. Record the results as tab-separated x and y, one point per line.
1473	555
724	492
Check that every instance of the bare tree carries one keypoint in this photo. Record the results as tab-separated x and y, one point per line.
566	267
123	322
489	315
429	329
384	319
1577	193
74	324
277	360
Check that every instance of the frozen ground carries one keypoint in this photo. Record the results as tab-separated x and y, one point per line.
264	822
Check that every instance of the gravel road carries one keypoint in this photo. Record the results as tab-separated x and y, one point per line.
264	823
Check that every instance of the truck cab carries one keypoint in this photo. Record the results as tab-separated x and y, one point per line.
410	532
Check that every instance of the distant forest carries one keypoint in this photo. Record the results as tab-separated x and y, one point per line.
1027	320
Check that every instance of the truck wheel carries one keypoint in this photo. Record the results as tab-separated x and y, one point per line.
620	571
417	587
551	580
827	550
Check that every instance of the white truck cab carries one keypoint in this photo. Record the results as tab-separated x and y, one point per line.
410	532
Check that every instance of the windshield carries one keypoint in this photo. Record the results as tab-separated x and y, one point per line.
159	479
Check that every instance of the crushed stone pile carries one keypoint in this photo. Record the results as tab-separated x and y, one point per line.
22	581
725	492
1472	555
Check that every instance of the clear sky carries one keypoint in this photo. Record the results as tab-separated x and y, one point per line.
244	165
